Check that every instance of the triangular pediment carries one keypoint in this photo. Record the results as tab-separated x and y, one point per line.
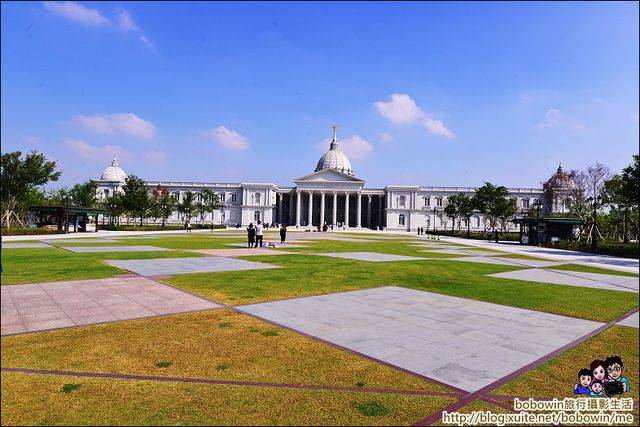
328	175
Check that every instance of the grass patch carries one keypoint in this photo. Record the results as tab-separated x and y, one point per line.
196	346
271	333
222	367
51	264
36	400
69	387
371	408
521	256
164	364
590	269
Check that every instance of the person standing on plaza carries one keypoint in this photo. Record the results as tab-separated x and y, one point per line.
251	235
283	233
259	228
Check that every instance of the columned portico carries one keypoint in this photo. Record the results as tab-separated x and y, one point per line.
310	221
369	210
359	210
334	217
346	210
298	208
321	209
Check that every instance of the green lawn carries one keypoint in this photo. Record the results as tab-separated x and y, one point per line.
314	275
51	264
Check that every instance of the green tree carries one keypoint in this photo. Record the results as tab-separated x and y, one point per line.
492	202
19	176
188	206
452	210
84	194
465	210
209	202
135	198
162	204
115	205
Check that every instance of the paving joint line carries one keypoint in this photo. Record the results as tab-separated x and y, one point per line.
484	391
231	382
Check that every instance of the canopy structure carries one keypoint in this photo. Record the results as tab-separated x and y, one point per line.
65	217
546	229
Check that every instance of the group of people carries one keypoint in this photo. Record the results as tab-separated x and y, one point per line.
255	234
603	377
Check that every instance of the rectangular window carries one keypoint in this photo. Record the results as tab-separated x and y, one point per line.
427	201
401	219
439	202
233	197
525	203
223	196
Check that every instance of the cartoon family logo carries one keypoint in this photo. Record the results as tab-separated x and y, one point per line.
604	377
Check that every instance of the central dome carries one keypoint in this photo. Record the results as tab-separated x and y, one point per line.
114	172
334	158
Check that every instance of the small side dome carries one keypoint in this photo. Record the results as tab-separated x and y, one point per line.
560	180
113	172
334	158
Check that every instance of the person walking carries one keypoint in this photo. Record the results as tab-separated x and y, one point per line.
259	228
283	233
251	235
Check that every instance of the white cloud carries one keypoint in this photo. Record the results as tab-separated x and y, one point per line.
145	41
401	109
387	138
355	147
437	127
126	22
80	149
120	123
76	12
554	118
227	138
154	155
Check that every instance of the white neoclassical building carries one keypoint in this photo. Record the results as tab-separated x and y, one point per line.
334	195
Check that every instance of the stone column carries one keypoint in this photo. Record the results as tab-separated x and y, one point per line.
359	210
380	222
346	209
297	208
321	208
334	218
310	224
290	199
369	210
279	196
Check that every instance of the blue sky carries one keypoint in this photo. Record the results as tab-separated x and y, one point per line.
423	93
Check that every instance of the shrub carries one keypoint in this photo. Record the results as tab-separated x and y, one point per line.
25	231
624	250
157	227
371	408
476	235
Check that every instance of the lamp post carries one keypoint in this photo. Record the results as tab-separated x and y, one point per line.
537	206
434	211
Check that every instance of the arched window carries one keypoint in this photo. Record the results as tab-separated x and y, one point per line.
256	216
401	218
256	198
567	204
402	201
106	193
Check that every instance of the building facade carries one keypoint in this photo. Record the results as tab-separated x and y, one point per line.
333	195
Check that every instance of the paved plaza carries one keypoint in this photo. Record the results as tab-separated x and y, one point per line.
460	252
40	306
372	256
483	260
277	244
87	240
570	278
140	248
464	343
632	321
24	245
242	252
171	266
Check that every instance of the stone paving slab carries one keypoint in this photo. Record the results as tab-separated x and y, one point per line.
632	321
465	343
533	262
461	252
140	248
24	245
371	256
614	279
559	277
242	252
40	306
172	266
483	260
88	240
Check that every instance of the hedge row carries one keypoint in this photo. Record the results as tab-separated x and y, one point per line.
157	227
25	231
475	235
624	250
